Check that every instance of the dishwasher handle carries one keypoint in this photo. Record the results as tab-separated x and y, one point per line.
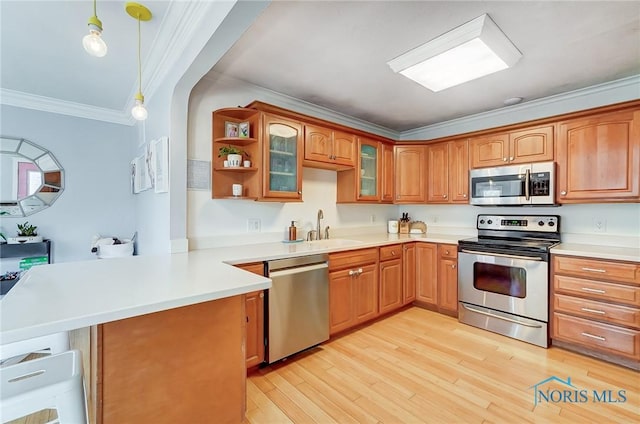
298	270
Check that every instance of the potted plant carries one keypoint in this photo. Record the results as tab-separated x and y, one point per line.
233	154
27	233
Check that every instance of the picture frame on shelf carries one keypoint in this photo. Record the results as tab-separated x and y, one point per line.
230	129
243	130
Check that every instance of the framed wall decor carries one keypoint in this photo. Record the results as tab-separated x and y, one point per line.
230	129
243	130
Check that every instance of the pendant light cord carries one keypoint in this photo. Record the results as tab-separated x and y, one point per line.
94	8
139	60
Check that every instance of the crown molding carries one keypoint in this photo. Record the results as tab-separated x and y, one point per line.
63	107
611	92
303	107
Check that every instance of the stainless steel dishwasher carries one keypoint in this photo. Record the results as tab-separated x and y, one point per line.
298	305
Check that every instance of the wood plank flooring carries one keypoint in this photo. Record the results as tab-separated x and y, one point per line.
418	366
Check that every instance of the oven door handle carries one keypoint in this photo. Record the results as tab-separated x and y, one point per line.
503	255
499	317
527	185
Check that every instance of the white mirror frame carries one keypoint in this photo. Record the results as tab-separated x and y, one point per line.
49	190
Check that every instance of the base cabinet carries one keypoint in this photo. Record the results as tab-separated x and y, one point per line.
596	307
254	319
437	277
408	273
391	284
189	358
353	288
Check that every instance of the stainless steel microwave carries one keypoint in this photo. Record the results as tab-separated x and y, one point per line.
526	184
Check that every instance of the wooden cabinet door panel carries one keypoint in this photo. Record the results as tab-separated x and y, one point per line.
317	143
427	273
599	290
391	296
340	301
624	272
254	309
438	173
387	175
344	148
410	174
490	150
592	309
459	171
531	145
282	170
448	285
365	294
409	272
599	158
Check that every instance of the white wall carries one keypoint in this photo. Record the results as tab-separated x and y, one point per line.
217	222
576	221
97	198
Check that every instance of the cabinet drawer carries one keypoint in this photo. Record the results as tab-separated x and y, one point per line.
615	314
391	252
595	335
598	290
603	270
352	258
448	251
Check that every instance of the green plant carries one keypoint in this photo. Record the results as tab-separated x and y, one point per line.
231	150
27	230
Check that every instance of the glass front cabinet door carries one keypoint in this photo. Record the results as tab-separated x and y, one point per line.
282	159
369	187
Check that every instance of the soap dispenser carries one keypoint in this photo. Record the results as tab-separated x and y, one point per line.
292	232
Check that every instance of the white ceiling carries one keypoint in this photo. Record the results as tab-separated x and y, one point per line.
331	54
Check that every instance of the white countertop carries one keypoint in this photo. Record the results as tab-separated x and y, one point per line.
598	251
70	295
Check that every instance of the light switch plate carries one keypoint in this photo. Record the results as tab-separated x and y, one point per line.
253	225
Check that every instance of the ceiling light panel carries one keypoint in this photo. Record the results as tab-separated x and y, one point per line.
470	51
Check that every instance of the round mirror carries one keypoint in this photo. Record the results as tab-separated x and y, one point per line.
32	178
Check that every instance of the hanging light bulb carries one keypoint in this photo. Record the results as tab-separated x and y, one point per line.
140	13
138	111
93	42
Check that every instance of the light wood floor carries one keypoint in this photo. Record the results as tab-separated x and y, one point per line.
418	366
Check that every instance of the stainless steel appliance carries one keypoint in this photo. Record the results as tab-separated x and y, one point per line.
526	184
503	275
297	305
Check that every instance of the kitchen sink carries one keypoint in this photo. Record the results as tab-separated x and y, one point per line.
328	243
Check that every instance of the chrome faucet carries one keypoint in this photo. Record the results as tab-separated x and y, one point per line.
318	230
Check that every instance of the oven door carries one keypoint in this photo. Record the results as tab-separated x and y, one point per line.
509	283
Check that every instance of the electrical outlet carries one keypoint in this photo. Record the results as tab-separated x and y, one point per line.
599	225
253	225
373	218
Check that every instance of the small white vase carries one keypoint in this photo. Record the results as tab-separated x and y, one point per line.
234	160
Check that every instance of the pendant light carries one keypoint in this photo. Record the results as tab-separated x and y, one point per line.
140	13
93	42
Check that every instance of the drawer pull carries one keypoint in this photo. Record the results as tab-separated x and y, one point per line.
593	311
593	269
587	289
592	336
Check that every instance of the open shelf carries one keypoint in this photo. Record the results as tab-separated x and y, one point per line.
235	169
236	141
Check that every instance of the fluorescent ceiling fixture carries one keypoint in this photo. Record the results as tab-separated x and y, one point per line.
470	51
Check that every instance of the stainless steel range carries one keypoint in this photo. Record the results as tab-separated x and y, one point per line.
503	275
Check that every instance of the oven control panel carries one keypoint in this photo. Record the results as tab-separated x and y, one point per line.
538	223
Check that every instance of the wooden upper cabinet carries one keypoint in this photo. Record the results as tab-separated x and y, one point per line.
282	170
598	158
410	174
448	172
368	170
522	146
489	150
328	146
387	175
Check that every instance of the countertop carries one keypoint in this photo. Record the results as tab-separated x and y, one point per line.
597	251
71	295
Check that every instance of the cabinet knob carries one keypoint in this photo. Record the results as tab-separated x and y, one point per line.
351	272
511	158
393	253
261	295
504	159
446	252
453	266
464	195
299	192
564	193
444	195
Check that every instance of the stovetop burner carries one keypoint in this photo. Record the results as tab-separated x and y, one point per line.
514	233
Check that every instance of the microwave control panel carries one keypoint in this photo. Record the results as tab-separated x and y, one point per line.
540	183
